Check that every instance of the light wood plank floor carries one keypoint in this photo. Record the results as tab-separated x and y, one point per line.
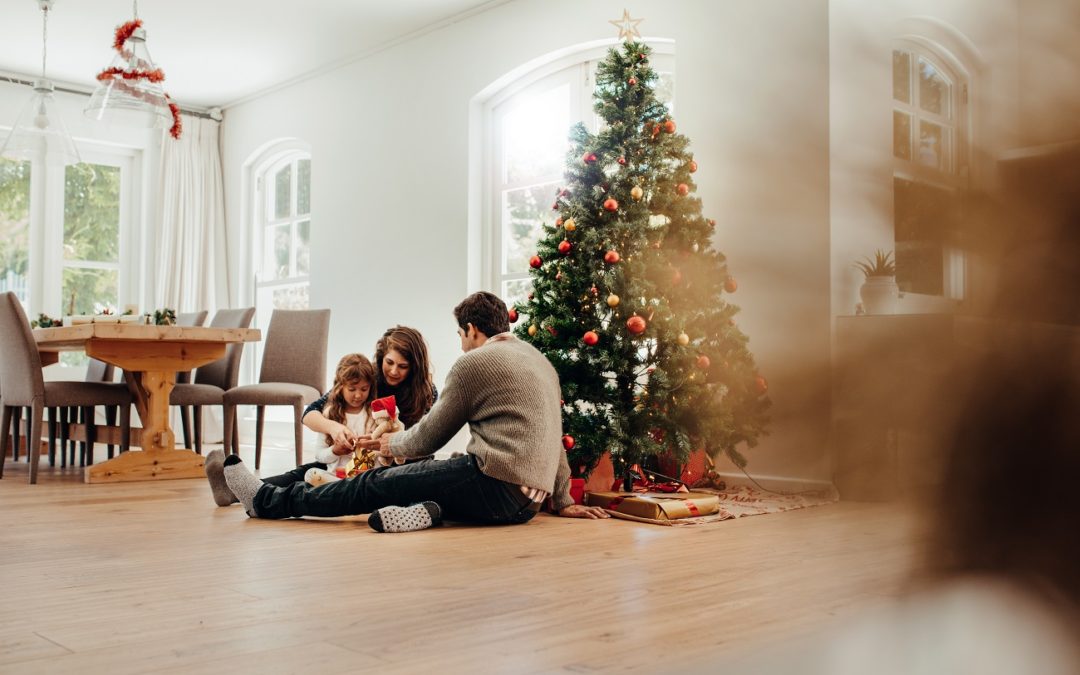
152	577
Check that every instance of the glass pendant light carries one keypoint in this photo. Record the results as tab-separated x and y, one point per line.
39	130
129	92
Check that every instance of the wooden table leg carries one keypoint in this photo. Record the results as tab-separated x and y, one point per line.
159	458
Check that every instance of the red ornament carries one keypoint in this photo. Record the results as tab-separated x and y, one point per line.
683	189
558	276
568	442
530	296
611	257
558	222
655	130
730	285
594	290
552	331
676	276
611	205
761	384
636	325
535	262
512	315
621	161
589	157
632	81
669	126
692	166
590	338
703	362
565	246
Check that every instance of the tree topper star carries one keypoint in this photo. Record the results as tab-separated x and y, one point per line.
627	26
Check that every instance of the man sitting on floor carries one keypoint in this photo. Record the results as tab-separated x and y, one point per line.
505	390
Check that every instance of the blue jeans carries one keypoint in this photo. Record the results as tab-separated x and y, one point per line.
457	485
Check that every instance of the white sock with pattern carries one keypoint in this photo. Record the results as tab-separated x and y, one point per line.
406	518
242	482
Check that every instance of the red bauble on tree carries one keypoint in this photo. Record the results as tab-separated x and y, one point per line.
621	161
669	126
589	157
683	189
535	262
692	166
761	385
590	338
568	442
632	81
512	315
636	325
565	247
730	285
703	362
611	257
611	205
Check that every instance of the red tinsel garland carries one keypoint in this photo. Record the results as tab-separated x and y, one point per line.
123	34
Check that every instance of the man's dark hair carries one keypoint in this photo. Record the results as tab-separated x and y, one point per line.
485	311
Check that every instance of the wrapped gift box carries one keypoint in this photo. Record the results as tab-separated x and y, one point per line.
656	505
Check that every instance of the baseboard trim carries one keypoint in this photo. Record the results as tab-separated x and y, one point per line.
777	483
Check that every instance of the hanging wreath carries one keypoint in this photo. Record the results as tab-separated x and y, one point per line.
155	76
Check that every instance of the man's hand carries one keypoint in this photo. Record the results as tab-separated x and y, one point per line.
581	511
381	445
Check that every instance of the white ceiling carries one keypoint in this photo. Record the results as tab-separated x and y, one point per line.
216	52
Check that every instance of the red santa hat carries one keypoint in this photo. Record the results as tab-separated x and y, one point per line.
384	407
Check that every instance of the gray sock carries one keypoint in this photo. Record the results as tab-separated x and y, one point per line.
242	483
406	518
215	473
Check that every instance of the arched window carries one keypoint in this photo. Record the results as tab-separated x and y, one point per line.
526	119
283	237
931	141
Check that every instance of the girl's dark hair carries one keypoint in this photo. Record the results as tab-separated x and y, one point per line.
415	394
350	369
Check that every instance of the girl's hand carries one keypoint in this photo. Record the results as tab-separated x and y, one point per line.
342	450
344	438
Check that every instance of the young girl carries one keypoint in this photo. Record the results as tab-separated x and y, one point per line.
348	404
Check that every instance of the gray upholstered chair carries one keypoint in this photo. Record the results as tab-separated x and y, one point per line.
184	376
214	379
22	384
96	371
293	373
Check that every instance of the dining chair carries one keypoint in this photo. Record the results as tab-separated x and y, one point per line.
293	373
184	376
23	384
96	371
213	379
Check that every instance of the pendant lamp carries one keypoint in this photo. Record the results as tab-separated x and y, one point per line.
129	91
39	130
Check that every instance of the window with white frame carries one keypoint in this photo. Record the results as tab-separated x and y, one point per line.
527	125
66	230
930	157
283	270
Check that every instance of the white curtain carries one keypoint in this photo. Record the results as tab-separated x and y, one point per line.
192	266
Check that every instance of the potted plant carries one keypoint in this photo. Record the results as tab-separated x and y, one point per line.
879	292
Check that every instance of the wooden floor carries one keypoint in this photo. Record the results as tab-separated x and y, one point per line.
152	577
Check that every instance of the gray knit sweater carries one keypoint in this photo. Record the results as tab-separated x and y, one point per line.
509	395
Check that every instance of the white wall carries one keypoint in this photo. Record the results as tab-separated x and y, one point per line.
389	138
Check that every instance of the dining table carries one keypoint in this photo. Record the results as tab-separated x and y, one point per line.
150	356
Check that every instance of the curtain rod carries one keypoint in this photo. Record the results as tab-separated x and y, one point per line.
68	90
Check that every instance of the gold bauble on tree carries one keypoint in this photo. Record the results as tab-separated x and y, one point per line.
683	339
613	300
636	193
532	330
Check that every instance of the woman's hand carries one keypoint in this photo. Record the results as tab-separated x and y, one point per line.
581	511
344	438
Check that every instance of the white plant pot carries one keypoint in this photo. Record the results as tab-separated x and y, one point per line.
880	295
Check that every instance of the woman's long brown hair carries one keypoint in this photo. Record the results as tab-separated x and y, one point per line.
415	394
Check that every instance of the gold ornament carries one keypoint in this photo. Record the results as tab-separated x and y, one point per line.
532	330
636	193
683	339
613	300
569	225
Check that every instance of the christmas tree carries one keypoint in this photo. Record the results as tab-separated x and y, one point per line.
628	294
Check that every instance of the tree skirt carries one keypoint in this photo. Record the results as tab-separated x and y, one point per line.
742	500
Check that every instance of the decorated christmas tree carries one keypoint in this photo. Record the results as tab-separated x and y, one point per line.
629	297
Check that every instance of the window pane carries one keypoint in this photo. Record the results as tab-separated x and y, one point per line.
303	247
15	228
523	211
291	297
901	76
276	246
92	213
933	140
516	290
283	191
534	135
87	290
927	221
934	89
901	135
303	187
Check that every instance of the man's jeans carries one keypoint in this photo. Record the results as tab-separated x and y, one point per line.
457	485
